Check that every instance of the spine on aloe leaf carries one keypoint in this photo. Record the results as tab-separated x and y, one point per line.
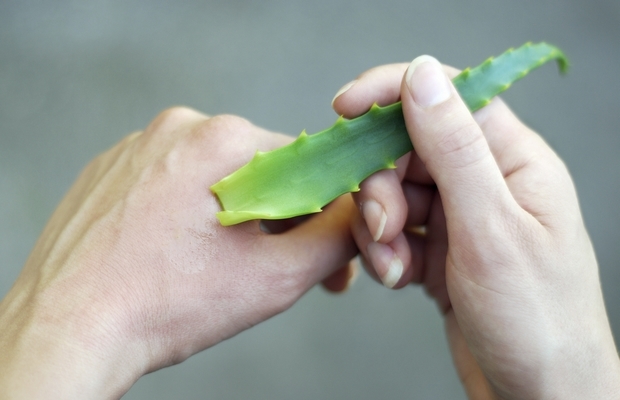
312	171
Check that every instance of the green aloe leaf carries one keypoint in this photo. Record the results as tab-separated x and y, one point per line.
312	171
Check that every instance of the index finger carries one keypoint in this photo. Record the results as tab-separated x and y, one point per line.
379	85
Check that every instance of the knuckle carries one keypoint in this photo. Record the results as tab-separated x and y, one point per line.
225	136
171	118
175	113
227	126
463	145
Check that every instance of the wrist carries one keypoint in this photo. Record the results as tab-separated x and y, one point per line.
591	373
50	351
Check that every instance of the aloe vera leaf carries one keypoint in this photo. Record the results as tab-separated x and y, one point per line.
312	171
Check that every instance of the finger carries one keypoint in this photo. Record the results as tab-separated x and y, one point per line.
418	199
416	171
363	237
392	261
382	204
366	266
389	262
451	144
341	280
317	248
417	246
379	85
434	256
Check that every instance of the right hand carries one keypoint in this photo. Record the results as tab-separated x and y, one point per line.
505	254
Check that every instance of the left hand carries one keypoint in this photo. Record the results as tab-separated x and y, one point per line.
134	273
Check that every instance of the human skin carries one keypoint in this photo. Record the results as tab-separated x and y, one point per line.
505	253
134	273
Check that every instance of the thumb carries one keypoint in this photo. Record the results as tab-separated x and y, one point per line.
450	143
318	247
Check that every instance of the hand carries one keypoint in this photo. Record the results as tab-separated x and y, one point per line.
134	273
484	214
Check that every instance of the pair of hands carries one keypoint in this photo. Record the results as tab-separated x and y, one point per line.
133	272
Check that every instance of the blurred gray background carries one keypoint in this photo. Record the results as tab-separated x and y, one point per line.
76	76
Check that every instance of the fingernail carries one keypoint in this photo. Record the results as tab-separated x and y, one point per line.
375	218
343	89
388	265
427	82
